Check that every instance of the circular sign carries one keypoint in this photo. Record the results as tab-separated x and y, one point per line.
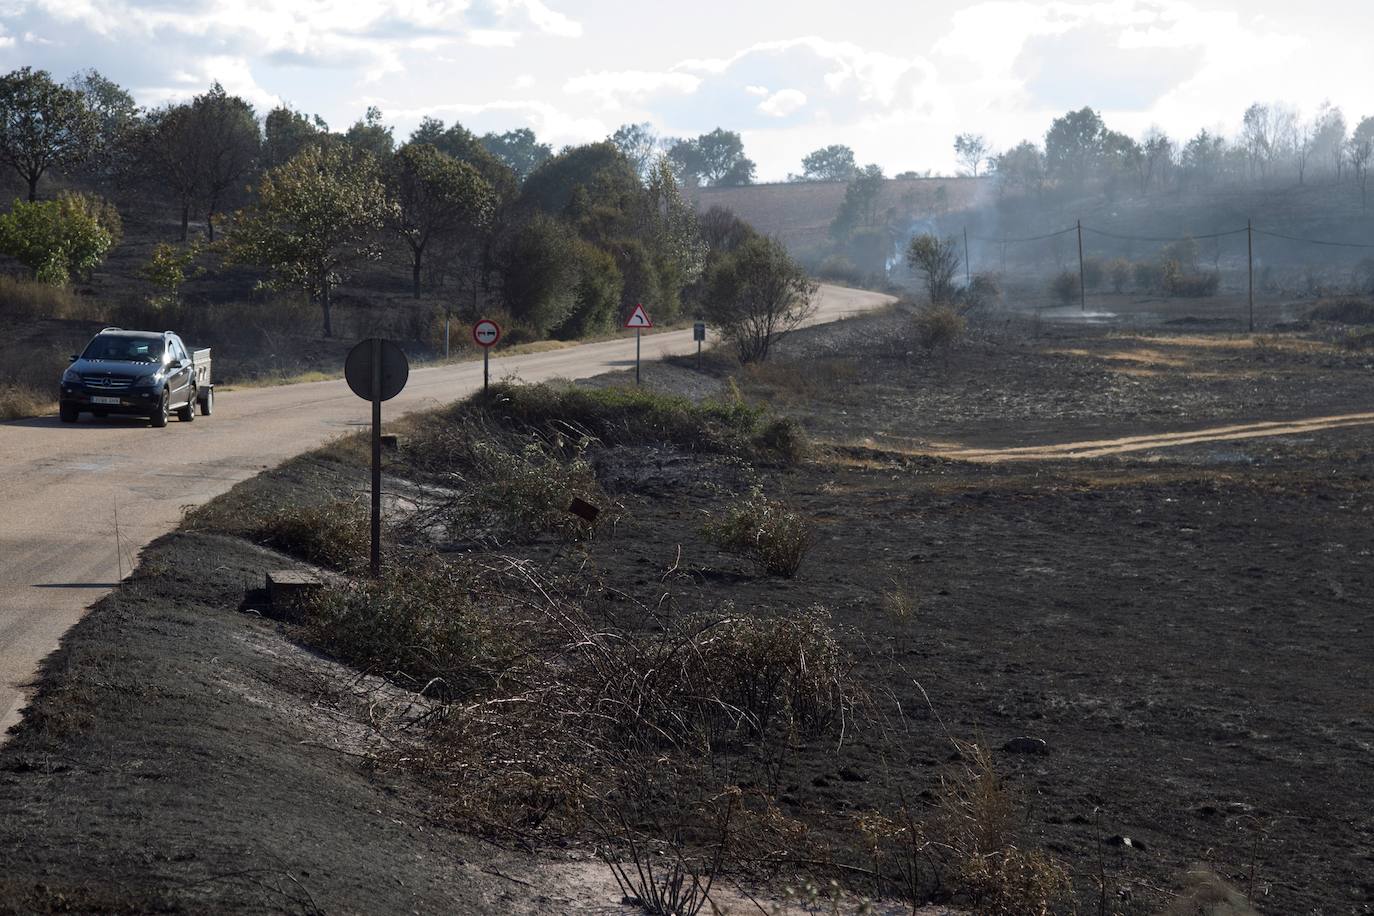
358	369
486	333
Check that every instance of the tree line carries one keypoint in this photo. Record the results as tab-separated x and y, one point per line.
560	243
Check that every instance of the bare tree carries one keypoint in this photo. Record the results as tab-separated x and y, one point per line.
1359	153
972	150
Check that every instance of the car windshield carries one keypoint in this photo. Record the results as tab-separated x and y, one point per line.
129	349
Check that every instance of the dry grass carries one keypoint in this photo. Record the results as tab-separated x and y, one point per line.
19	401
24	301
1206	894
769	533
783	381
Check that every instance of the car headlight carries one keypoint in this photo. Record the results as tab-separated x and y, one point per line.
71	377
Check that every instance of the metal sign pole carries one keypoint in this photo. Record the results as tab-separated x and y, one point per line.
486	369
446	320
376	457
637	333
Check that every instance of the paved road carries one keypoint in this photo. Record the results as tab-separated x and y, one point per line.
62	487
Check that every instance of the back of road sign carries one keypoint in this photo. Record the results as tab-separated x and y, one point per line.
358	370
638	318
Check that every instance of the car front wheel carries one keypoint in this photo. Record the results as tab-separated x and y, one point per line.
159	417
68	413
188	413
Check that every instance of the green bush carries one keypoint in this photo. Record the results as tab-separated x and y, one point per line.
1094	272
1120	272
336	534
769	533
415	625
1149	276
1344	310
1064	287
622	416
60	239
937	327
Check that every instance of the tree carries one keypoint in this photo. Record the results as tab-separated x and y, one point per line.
1021	167
829	163
1158	158
938	261
716	158
59	239
437	198
1329	136
1073	145
169	151
1203	158
519	149
756	295
1360	152
607	183
859	209
168	268
116	118
971	149
371	135
43	125
286	132
314	217
638	144
226	145
540	270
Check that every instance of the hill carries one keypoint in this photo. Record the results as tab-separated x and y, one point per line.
799	213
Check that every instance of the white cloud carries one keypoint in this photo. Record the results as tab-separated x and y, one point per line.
493	38
615	89
834	82
552	124
783	103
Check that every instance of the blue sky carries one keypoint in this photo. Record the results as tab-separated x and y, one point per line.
894	80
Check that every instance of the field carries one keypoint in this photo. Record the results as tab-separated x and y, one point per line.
1135	648
799	213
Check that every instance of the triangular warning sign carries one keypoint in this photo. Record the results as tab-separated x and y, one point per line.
638	318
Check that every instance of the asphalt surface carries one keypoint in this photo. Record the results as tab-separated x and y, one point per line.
80	501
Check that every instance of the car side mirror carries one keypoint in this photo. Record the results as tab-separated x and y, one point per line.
73	357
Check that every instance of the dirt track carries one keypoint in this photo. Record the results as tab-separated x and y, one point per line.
82	501
1099	448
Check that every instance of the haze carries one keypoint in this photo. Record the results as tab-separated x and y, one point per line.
894	81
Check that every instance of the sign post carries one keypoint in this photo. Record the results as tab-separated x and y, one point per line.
639	320
485	334
699	334
376	371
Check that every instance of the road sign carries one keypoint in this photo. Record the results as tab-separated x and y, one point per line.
486	333
376	370
638	319
358	369
699	331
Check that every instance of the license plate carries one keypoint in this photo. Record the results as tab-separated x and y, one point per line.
97	399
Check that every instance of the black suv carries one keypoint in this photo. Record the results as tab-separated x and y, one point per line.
145	373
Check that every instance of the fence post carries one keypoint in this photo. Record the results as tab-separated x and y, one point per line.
1250	257
968	278
1082	286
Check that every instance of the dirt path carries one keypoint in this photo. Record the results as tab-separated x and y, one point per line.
1098	448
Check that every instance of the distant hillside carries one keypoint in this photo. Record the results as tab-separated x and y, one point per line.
799	213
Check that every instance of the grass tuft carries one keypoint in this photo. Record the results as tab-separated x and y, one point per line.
767	532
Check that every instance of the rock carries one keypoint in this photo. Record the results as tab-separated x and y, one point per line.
1125	842
1025	745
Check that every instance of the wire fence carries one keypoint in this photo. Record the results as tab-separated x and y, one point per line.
1158	275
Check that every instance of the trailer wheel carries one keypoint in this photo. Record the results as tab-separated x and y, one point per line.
207	402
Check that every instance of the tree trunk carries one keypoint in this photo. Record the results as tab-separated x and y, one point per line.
185	219
324	303
33	187
419	254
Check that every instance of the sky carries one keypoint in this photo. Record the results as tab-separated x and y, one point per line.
894	80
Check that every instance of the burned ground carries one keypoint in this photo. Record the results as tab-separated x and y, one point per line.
1184	629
